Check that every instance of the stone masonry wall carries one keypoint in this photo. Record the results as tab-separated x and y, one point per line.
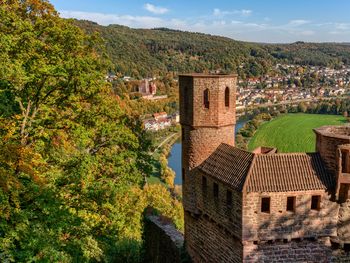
217	114
327	146
192	109
163	243
229	216
344	222
208	242
319	251
282	224
197	145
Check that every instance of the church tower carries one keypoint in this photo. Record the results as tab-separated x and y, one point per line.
208	118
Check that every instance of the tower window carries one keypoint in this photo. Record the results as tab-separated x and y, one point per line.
183	175
291	203
316	202
216	190
227	97
345	162
206	98
229	198
204	185
265	204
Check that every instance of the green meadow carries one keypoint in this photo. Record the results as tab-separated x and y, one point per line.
292	132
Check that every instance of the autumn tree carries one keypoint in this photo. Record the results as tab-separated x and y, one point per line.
72	163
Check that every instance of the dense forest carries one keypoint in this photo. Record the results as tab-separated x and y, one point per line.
73	162
147	52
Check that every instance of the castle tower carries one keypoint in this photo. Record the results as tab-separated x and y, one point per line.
333	143
208	117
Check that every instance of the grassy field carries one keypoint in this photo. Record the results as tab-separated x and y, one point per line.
292	132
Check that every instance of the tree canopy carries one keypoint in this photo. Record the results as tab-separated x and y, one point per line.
72	162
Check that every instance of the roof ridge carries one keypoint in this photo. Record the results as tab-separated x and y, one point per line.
290	154
235	148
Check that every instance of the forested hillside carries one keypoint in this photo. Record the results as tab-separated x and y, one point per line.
147	52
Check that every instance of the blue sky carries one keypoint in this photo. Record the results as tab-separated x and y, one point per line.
249	20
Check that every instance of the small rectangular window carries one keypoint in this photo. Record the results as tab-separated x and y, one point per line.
316	202
345	162
216	190
265	205
204	185
206	98
229	198
291	203
183	175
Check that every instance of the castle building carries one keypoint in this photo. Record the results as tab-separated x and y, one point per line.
260	206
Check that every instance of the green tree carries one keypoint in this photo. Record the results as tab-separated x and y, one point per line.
71	161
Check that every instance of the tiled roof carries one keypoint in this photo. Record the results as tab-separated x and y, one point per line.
288	172
267	172
229	165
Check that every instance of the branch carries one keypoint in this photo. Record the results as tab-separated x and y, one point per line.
24	122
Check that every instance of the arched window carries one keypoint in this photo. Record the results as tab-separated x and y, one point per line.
227	97
206	98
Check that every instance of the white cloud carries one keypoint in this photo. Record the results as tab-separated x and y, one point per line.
342	26
307	33
107	19
235	28
156	9
246	12
298	22
243	12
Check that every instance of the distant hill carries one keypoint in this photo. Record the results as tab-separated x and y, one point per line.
145	52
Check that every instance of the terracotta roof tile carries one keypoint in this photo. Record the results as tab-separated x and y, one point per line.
229	165
288	172
267	173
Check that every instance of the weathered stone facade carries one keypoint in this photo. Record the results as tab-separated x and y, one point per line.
261	206
208	241
328	139
306	250
280	224
163	243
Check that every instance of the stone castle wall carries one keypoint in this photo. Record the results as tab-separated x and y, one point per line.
327	146
228	216
296	251
283	224
344	222
162	242
207	241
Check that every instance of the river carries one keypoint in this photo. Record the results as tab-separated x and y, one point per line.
174	159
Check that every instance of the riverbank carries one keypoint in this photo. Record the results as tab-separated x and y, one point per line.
161	172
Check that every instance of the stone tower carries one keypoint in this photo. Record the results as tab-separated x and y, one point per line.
333	143
208	118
